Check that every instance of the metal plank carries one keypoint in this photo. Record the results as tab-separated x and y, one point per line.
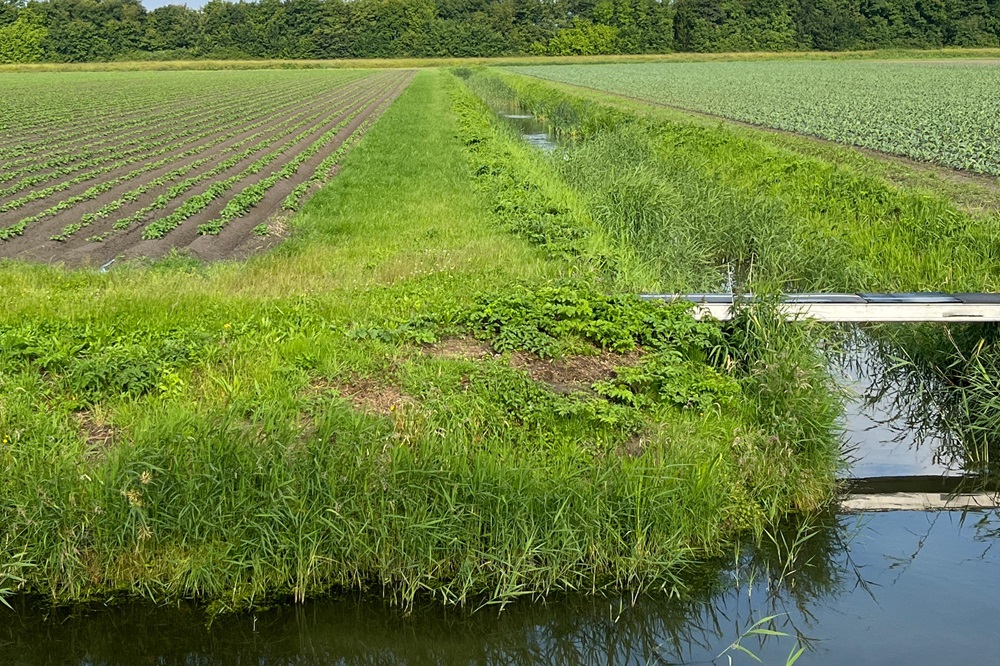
978	299
921	297
920	502
870	312
860	308
823	298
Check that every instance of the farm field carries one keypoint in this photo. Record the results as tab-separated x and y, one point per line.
442	386
99	166
946	113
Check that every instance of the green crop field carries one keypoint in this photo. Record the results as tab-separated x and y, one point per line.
942	112
96	166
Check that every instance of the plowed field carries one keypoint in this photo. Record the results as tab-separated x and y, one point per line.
102	167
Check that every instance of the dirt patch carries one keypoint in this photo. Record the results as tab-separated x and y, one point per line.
366	395
98	433
460	348
573	373
633	447
563	375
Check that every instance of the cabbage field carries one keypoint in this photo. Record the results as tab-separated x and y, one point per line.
97	166
947	113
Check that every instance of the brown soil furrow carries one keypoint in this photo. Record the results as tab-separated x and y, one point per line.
55	129
366	97
35	242
129	243
29	139
42	229
187	235
135	161
157	121
237	238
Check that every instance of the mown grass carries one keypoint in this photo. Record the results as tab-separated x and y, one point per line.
239	433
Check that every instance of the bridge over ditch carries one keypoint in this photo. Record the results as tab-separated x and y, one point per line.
898	307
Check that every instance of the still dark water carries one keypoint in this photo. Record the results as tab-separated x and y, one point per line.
535	132
910	588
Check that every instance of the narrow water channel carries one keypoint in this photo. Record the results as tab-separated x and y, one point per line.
535	132
867	587
911	588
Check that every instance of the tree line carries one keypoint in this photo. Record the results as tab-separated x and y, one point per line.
100	30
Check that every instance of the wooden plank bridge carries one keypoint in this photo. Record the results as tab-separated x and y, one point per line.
901	307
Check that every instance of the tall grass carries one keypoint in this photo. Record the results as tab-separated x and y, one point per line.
712	194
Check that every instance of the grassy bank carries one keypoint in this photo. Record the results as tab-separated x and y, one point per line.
707	196
374	406
690	199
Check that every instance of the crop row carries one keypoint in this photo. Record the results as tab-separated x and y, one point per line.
296	121
59	151
292	122
322	171
232	149
63	102
79	141
109	167
231	116
253	194
196	204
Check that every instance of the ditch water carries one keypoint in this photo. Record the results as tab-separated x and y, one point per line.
868	587
534	131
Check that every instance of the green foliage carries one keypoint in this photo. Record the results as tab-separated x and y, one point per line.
90	363
552	320
218	144
523	204
22	41
584	38
82	30
671	378
240	433
786	382
702	206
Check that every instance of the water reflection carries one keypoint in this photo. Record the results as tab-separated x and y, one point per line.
895	419
864	589
534	131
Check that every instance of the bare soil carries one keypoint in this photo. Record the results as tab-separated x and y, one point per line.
468	349
370	95
573	374
98	434
366	395
570	374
